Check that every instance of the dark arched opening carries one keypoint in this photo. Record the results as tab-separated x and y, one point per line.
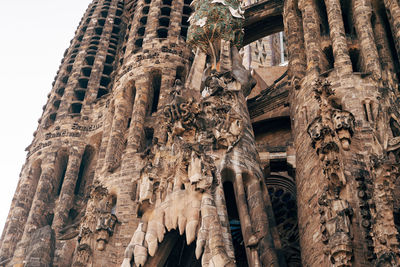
182	255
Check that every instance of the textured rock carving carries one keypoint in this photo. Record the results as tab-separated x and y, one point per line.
96	227
336	216
333	126
181	199
343	122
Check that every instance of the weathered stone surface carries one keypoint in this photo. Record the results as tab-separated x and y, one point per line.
149	153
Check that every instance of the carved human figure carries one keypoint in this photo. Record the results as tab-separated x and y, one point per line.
194	170
105	229
97	225
327	150
146	184
336	219
343	122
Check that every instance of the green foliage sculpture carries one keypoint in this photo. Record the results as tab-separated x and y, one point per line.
213	21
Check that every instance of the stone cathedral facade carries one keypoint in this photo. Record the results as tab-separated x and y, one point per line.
157	147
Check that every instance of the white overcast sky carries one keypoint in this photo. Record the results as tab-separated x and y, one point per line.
33	37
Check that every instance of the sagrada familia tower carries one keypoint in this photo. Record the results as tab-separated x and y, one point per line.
157	147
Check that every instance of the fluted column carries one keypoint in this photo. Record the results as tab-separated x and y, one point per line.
66	198
38	215
385	55
393	11
220	204
338	37
175	19
123	109
362	12
245	221
295	43
167	82
19	214
311	36
136	130
196	72
152	22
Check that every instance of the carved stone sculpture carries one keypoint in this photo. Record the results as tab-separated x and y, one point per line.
343	122
336	216
96	227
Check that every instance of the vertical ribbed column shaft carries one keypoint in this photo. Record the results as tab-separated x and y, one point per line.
193	81
130	44
101	161
382	44
66	198
338	37
222	211
311	36
136	130
245	221
19	215
295	42
39	210
175	18
393	11
362	12
167	82
152	21
210	218
122	111
257	226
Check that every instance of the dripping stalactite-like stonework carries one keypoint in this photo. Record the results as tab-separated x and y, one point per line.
158	147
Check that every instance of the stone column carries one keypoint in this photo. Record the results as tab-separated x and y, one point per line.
136	131
246	223
196	71
385	56
216	241
152	22
38	215
66	198
175	19
338	37
167	83
382	43
311	36
257	226
18	216
309	175
362	12
122	110
295	42
393	12
220	204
